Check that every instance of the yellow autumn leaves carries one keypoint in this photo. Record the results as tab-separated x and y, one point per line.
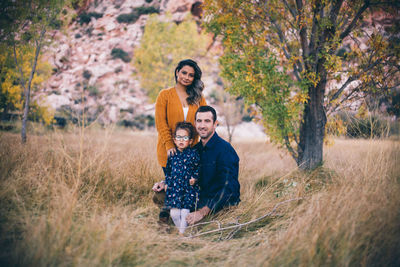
11	89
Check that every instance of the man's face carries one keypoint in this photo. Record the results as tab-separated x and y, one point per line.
205	125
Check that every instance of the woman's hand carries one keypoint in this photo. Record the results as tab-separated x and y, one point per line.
192	181
171	152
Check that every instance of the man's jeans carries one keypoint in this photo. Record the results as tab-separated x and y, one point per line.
158	199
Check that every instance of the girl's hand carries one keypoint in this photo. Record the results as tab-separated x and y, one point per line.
160	186
192	181
171	152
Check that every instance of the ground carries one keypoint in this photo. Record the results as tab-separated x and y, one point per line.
68	198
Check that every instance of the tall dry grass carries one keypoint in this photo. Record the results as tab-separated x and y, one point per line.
67	200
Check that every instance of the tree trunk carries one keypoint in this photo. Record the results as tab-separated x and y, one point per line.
310	150
25	115
230	131
27	88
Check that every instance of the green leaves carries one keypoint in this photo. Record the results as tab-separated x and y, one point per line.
163	45
254	75
284	56
251	65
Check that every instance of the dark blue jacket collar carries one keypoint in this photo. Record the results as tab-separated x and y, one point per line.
212	141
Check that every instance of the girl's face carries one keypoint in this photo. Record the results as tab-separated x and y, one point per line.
185	76
182	140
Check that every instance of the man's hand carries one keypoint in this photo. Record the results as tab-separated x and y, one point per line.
197	216
160	186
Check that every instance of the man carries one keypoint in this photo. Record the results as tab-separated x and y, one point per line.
219	168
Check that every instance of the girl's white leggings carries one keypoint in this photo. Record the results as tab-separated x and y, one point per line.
179	218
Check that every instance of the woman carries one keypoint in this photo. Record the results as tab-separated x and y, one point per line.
178	104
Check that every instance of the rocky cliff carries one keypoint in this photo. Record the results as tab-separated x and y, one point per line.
92	59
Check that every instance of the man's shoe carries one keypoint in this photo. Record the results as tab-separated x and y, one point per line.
163	216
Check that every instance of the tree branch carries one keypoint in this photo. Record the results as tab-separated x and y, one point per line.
37	52
339	92
290	148
354	21
346	98
316	11
327	36
335	11
21	79
269	214
291	10
353	78
286	50
318	44
393	87
303	29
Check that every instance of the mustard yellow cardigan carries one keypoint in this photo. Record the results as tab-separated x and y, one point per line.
169	111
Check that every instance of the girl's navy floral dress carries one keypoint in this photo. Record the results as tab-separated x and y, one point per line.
180	169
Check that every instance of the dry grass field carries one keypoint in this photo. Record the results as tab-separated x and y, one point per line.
68	200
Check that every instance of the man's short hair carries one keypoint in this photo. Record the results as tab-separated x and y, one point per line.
203	109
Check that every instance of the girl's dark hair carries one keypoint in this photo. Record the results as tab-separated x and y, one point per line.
194	90
187	126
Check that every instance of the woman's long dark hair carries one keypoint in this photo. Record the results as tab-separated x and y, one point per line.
194	90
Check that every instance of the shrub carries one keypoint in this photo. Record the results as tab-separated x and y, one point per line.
368	127
118	69
119	53
336	126
86	74
61	122
395	128
78	35
56	24
147	10
67	113
42	114
129	110
27	36
6	127
93	90
128	17
85	18
140	122
247	118
89	31
135	14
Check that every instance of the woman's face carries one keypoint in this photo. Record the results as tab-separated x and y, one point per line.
185	76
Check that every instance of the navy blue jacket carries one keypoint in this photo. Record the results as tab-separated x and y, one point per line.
219	171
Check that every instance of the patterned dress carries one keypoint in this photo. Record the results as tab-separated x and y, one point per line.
180	169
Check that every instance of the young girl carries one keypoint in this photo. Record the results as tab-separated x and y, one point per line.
182	172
